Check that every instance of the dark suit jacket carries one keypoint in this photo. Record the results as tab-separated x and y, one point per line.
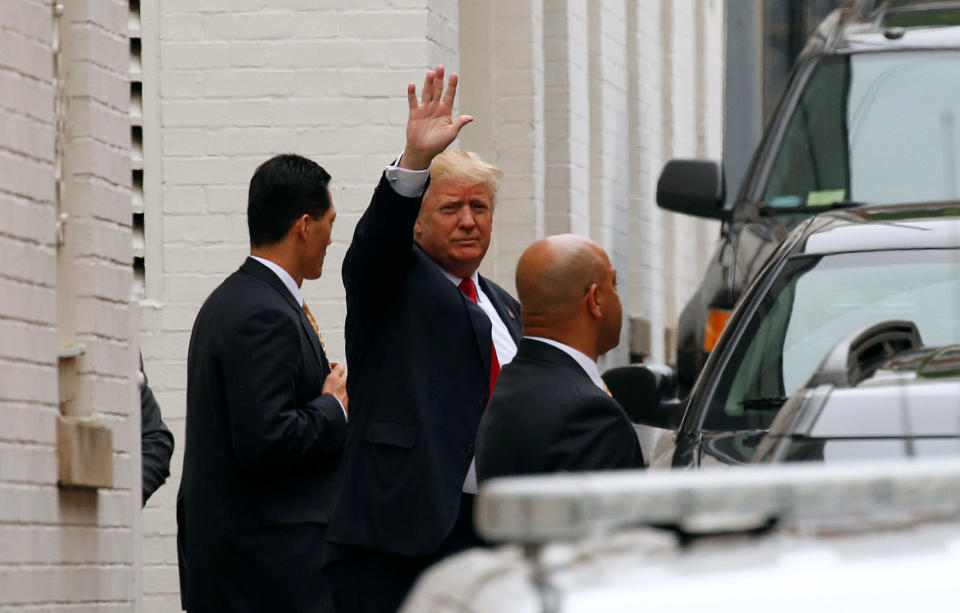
419	358
546	415
262	445
156	442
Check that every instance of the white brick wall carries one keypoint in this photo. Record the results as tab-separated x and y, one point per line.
577	100
65	549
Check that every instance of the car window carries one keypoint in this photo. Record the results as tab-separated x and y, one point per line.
877	127
814	303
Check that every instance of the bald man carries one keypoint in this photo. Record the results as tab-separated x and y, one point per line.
550	411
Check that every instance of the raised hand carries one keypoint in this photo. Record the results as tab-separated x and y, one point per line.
430	126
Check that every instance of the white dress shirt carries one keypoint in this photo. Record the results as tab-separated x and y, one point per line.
291	285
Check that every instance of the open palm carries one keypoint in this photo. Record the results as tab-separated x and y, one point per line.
430	126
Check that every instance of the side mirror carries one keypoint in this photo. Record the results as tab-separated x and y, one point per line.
693	187
648	393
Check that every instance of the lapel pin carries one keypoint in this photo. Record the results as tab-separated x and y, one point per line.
510	313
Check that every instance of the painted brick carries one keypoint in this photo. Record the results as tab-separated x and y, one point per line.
25	56
91	157
176	27
317	24
26	177
87	43
181	85
33	423
27	302
242	83
383	24
184	200
230	199
94	197
250	26
196	112
193	56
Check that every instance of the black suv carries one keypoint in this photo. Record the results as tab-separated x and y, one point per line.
870	115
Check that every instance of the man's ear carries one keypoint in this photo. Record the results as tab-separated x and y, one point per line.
301	225
417	229
593	300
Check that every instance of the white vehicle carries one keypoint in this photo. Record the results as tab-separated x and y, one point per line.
807	537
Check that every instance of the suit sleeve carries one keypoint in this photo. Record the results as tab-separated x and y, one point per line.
596	436
380	251
269	430
156	442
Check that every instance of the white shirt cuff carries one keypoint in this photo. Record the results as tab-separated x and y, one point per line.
407	183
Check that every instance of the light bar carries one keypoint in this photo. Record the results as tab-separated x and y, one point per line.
562	507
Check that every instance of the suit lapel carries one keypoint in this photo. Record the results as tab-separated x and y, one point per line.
478	319
314	339
509	318
266	275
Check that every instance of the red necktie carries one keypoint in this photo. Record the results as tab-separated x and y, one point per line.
468	288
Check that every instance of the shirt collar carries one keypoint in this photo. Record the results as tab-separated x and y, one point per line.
475	277
288	281
588	365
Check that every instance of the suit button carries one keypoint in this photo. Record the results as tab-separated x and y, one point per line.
469	448
482	400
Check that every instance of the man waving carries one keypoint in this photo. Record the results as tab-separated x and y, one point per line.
426	336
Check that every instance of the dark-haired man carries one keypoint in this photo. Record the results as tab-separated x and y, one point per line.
266	413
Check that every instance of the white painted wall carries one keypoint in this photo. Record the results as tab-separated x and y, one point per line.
66	549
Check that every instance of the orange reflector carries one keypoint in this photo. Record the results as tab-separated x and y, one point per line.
716	321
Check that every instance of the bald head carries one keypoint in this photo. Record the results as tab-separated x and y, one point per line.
554	274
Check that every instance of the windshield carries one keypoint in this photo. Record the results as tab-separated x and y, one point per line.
882	128
815	302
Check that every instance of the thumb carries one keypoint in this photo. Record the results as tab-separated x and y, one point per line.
461	121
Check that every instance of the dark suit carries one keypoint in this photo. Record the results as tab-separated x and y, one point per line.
546	415
419	357
156	441
262	445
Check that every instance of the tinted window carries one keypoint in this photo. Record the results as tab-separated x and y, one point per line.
873	127
816	302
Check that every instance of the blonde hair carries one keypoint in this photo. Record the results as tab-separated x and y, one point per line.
465	167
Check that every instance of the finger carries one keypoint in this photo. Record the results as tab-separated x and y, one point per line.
451	90
338	370
412	95
427	87
438	84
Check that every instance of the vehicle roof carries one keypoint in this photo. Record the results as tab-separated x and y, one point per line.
907	567
887	25
914	226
